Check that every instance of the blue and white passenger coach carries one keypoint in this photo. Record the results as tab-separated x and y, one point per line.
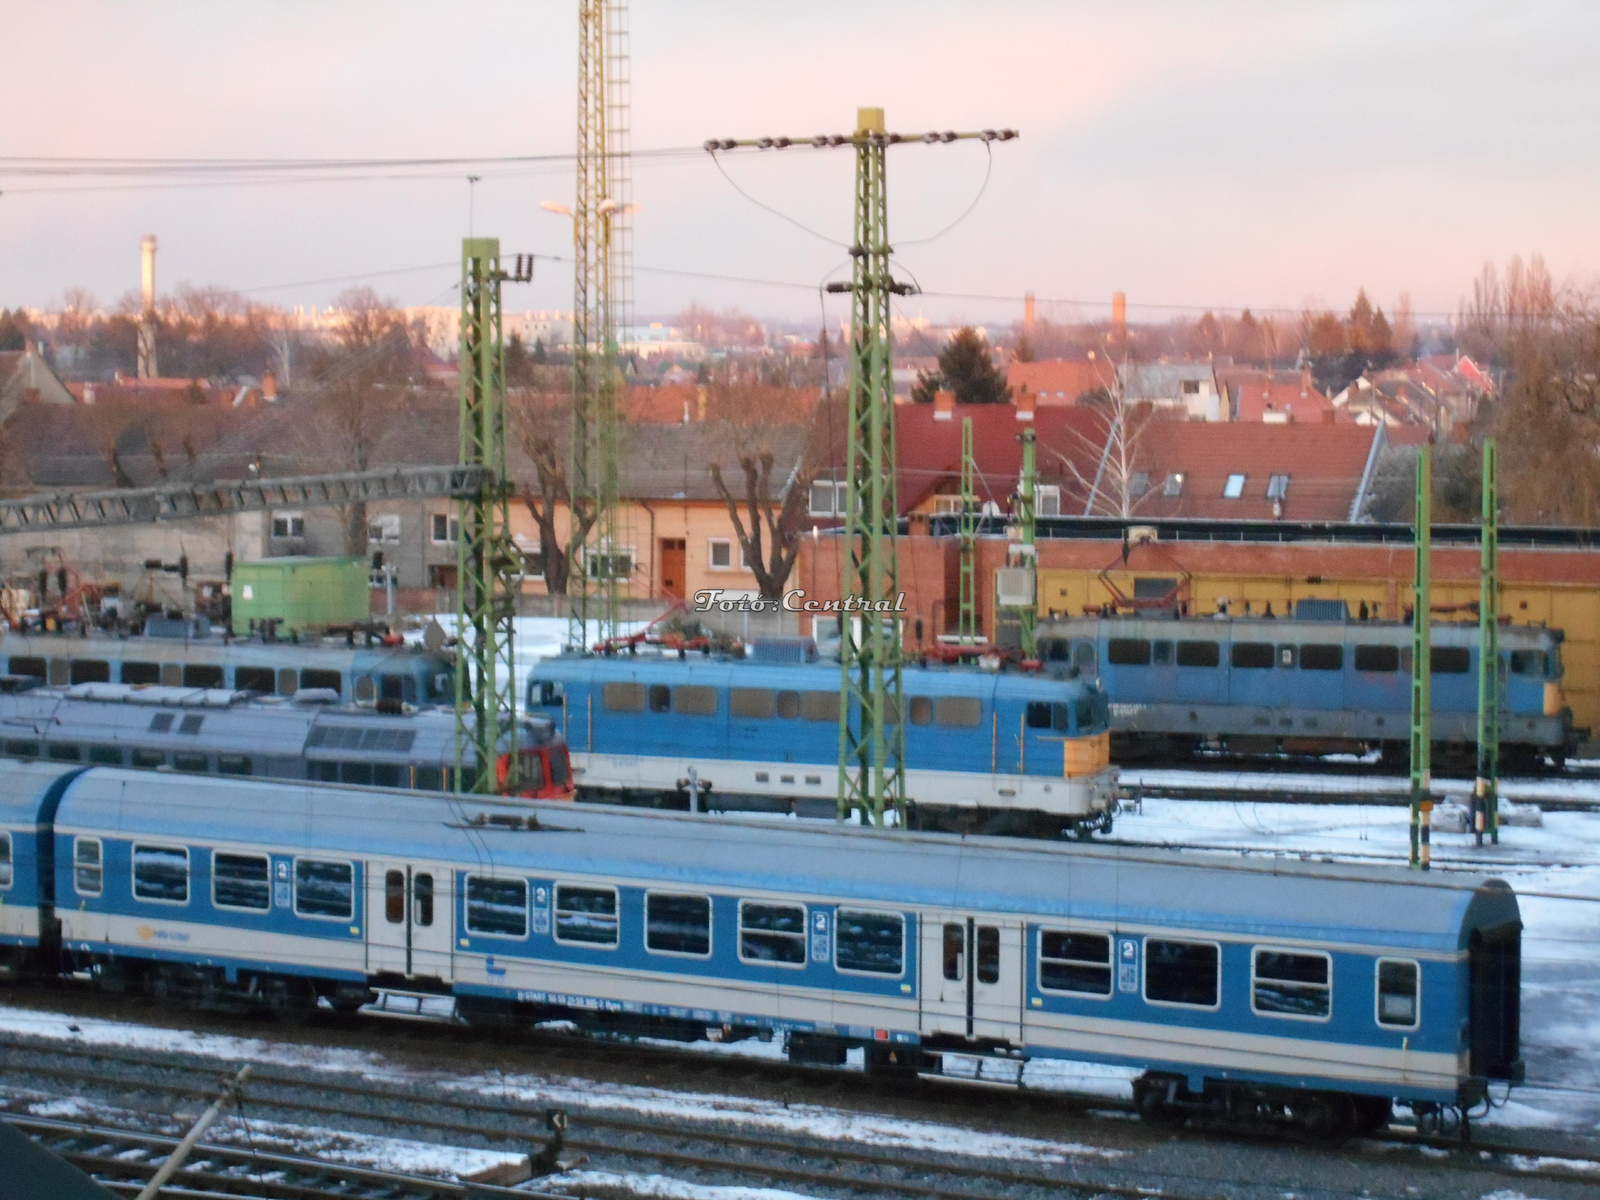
1319	992
985	751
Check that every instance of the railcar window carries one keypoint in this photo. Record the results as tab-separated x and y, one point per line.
1285	984
623	697
240	881
1377	658
5	860
149	759
133	672
497	907
161	873
1399	987
311	677
660	698
202	675
772	933
1074	962
1128	652
819	706
388	775
255	679
359	773
194	764
694	700
675	924
106	755
1181	972
1161	653
586	915
325	772
1451	660
988	954
89	670
1321	658
191	723
789	705
64	752
965	712
161	723
752	703
922	710
422	899
88	874
394	897
1038	714
1199	654
429	779
870	943
22	749
1252	656
27	665
955	951
324	889
233	764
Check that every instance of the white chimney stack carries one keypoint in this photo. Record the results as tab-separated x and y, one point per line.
147	320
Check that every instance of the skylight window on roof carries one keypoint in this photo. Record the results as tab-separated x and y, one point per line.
1234	488
1139	483
1278	487
1174	484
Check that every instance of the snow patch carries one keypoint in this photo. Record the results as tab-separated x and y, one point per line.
663	1186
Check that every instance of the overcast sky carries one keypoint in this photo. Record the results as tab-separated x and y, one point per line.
1202	153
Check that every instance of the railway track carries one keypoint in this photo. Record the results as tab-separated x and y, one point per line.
1252	787
617	1140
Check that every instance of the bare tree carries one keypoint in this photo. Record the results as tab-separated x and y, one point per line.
1111	460
769	527
540	421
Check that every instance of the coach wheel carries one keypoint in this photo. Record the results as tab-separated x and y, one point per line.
1329	1117
1373	1114
291	1001
1150	1100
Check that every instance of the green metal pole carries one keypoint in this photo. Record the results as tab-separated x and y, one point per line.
871	729
486	699
1486	794
1422	665
967	623
1027	509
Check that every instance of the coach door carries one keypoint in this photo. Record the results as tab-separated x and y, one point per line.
971	977
409	919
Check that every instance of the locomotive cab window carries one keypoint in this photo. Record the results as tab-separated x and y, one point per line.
1377	658
677	924
1314	657
1399	999
1182	973
586	916
870	943
325	890
240	881
1074	962
1199	654
497	907
88	870
1527	662
1286	983
1038	714
161	873
1128	652
1251	656
5	860
772	933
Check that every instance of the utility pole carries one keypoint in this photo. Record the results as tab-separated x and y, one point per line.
1027	552
487	575
871	719
967	616
1486	793
1422	664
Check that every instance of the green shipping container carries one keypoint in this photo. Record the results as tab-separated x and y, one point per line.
300	593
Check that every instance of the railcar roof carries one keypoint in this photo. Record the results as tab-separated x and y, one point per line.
1289	629
1388	906
22	788
278	653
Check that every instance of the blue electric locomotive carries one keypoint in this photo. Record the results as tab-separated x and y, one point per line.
998	753
1313	993
1262	686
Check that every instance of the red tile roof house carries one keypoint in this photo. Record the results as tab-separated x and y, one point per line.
1060	381
1274	397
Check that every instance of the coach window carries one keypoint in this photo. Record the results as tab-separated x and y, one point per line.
789	705
752	703
1285	983
138	672
311	677
161	873
1074	962
1128	652
988	954
28	665
660	698
819	706
1315	657
1038	714
22	749
202	675
586	916
1451	660
149	760
955	950
89	670
88	876
64	752
240	881
772	933
194	764
324	889
1199	654
1399	993
5	860
255	679
388	775
677	924
106	756
694	700
623	697
422	899
394	897
870	943
428	779
233	764
1377	658
1183	973
1251	656
358	773
497	907
960	711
